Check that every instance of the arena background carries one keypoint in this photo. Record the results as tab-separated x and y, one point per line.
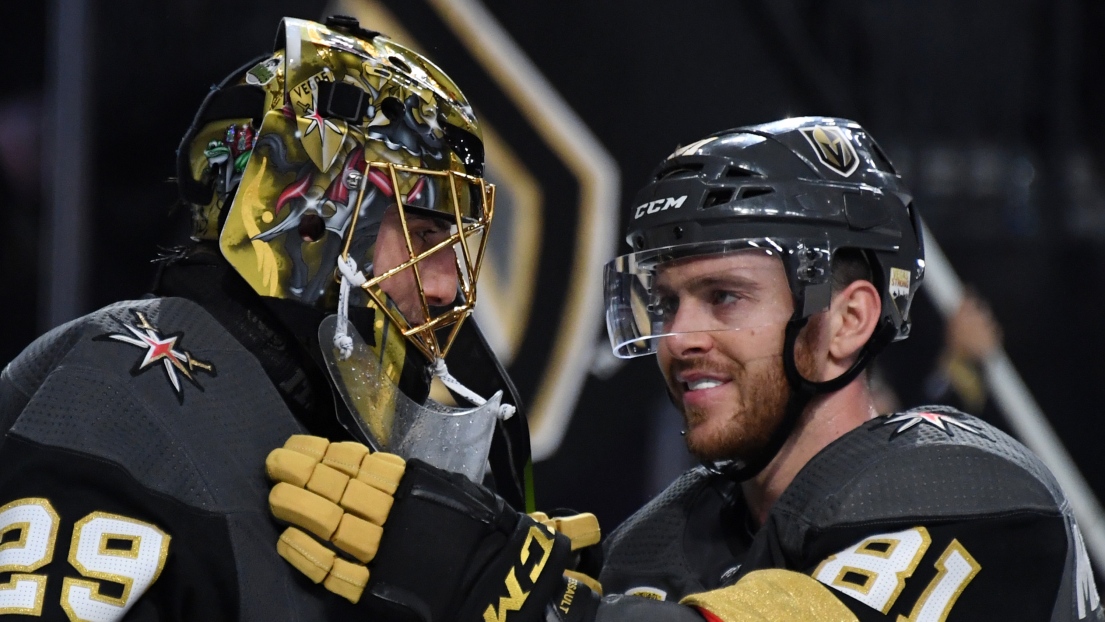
992	110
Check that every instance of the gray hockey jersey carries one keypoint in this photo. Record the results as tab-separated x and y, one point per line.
926	515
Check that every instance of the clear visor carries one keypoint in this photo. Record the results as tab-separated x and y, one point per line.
454	439
702	287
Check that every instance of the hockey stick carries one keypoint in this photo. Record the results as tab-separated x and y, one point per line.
1019	407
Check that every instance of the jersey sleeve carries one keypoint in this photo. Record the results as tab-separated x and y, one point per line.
85	541
1007	567
932	514
131	490
957	571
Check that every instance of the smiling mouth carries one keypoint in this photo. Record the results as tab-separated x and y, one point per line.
702	384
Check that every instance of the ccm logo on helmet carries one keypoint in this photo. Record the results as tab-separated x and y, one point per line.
659	205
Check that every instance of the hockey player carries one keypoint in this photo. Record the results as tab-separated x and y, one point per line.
769	265
339	209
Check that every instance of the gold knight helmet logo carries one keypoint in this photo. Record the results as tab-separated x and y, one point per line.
833	148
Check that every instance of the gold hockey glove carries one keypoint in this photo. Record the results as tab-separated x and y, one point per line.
771	595
339	492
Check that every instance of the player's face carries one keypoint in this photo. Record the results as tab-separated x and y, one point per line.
438	271
729	384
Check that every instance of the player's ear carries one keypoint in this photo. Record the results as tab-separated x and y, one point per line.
855	312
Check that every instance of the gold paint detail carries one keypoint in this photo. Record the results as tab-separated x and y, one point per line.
143	322
869	547
885	572
19	542
254	259
773	595
516	596
266	217
956	569
198	364
135	570
842	579
37	523
29	588
135	542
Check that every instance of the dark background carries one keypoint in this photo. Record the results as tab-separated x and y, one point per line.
992	109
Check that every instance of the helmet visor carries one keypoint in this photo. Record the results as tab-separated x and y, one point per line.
702	287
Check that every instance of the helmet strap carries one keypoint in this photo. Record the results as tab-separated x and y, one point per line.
801	393
802	390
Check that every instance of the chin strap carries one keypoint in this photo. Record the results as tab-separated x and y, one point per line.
802	390
350	275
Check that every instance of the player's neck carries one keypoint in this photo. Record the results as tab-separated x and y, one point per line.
825	419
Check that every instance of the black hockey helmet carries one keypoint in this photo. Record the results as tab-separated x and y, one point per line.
799	188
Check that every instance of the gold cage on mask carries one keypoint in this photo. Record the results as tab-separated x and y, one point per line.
472	203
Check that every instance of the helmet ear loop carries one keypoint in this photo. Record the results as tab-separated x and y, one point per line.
883	335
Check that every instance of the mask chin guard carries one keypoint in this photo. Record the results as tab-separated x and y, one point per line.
454	439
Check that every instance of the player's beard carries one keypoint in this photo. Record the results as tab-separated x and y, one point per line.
747	429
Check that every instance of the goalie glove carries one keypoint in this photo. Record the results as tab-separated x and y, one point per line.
440	546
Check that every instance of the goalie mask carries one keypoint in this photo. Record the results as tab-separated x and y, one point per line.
301	163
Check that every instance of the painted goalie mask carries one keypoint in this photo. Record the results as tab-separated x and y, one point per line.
300	163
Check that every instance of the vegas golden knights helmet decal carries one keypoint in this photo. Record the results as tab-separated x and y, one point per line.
557	203
833	148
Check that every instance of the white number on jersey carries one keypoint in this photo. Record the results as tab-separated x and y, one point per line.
28	528
114	548
104	546
875	570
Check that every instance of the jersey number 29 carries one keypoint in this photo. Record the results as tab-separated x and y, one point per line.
105	546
